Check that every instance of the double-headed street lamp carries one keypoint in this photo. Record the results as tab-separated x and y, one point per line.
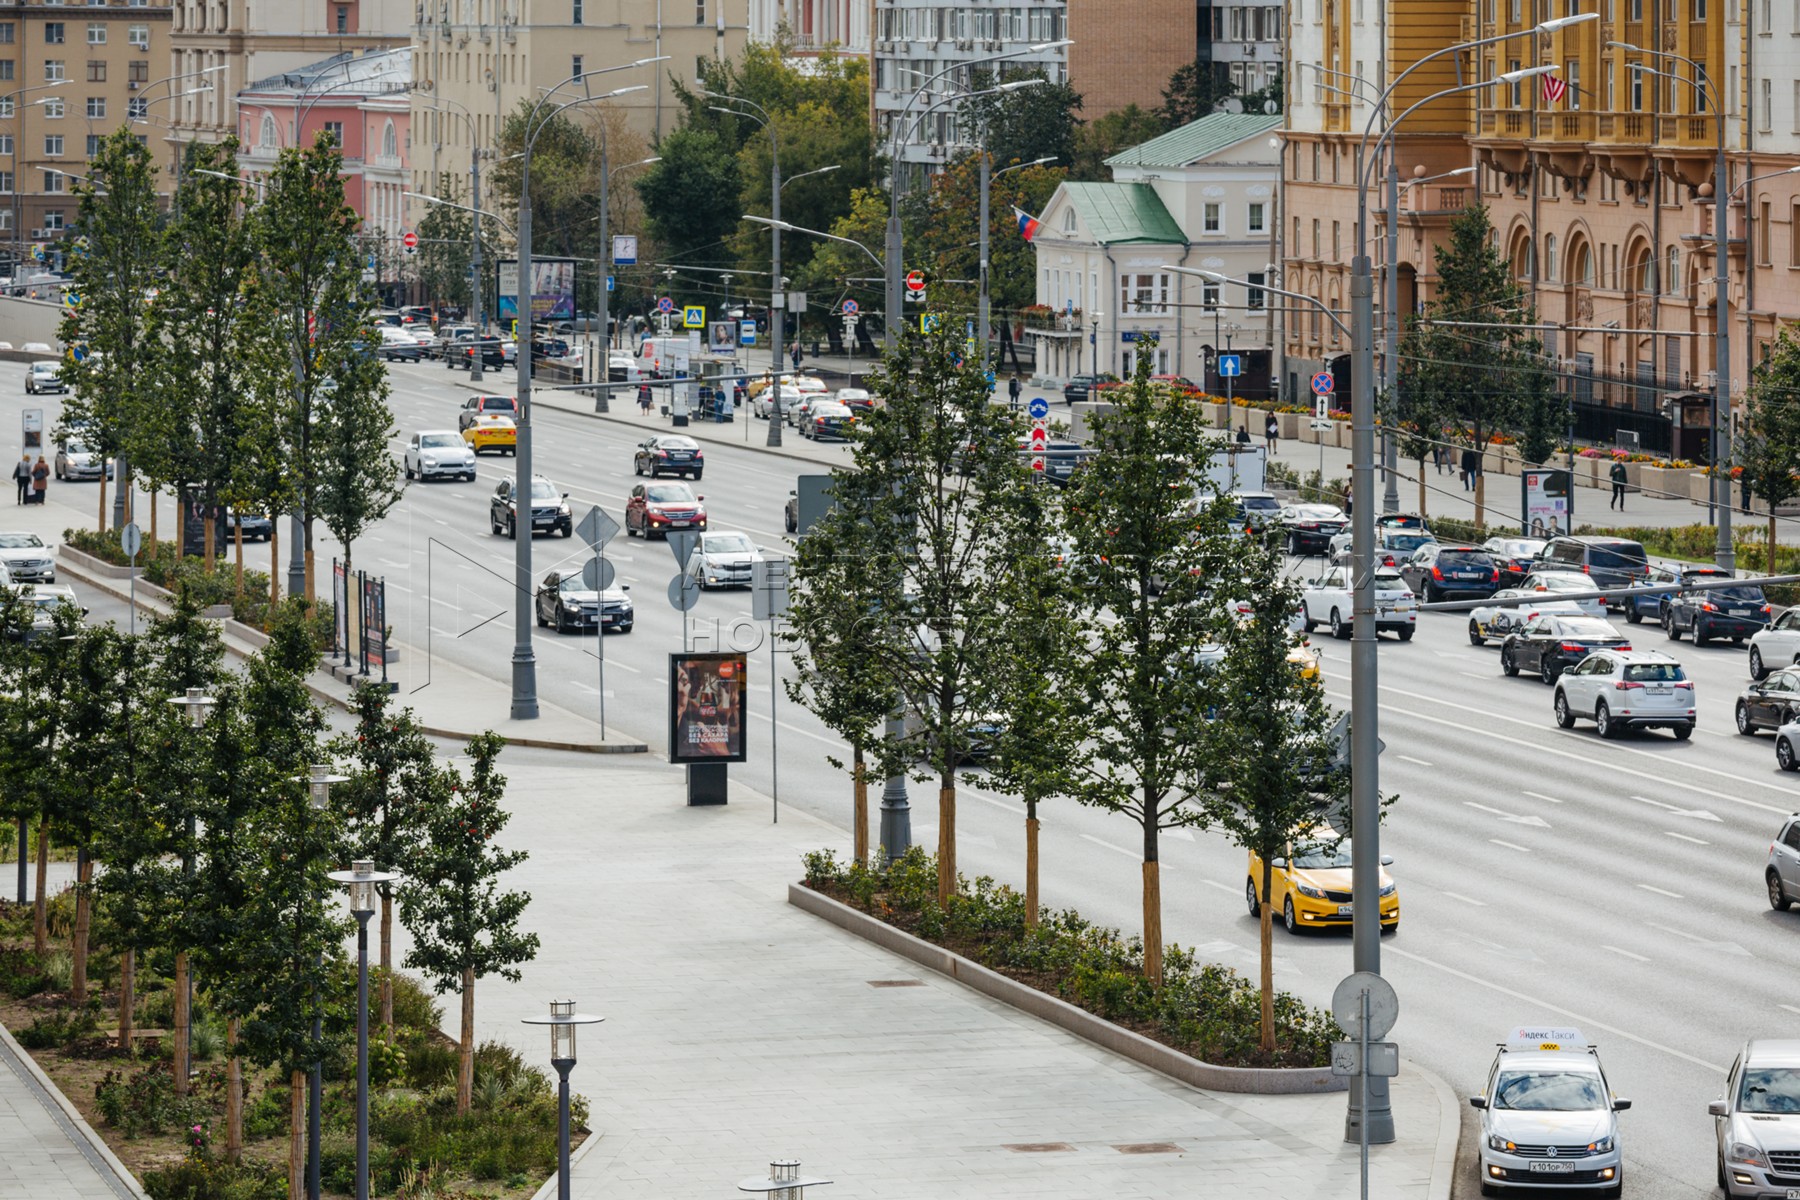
601	369
477	317
196	704
777	292
563	1022
362	879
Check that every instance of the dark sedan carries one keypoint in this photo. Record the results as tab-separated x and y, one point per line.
668	454
1080	387
1770	703
256	527
1550	645
1309	528
1514	556
1437	571
1727	612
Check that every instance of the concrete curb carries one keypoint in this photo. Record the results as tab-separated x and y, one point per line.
1449	1139
126	1181
575	1156
147	601
1264	1081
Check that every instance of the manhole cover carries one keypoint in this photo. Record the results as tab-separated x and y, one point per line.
1039	1147
1149	1148
896	983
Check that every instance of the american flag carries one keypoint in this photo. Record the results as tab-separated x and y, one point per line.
1554	89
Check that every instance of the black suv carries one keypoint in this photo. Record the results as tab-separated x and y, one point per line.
1609	561
549	509
462	353
1436	571
1725	612
1080	387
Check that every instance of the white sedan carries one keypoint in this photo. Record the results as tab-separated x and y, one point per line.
28	559
1565	582
1776	646
439	454
1497	620
1326	601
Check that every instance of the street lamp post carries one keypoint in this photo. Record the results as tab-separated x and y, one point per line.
777	292
602	366
476	316
1724	553
196	704
318	784
563	1021
362	879
984	305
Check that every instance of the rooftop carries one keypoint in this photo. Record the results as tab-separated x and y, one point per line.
1197	140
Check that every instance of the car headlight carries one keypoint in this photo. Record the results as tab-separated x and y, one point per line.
1496	1142
1748	1154
1306	889
563	508
1389	889
1603	1146
429	461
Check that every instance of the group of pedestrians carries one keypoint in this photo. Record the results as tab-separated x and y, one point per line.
33	479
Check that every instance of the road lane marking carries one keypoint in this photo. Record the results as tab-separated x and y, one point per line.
1626	953
1466	899
1511	846
1541	796
1677	810
1088	837
1661	891
1789	1007
1409	758
1223	887
1515	818
1684	837
1680	933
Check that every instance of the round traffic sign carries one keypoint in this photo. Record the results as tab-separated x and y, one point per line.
851	308
1323	383
1347	1001
684	592
1039	408
598	574
409	239
664	304
131	540
915	281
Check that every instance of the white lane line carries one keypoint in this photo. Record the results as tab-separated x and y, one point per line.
1541	796
1466	899
1477	674
1409	758
1223	887
1680	933
1511	846
1661	891
833	742
1088	837
1789	1007
1014	809
1626	953
1684	837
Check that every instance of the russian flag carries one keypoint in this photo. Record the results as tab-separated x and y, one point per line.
1028	224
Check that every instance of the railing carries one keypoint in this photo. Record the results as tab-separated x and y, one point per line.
1487	122
1632	126
1515	123
1606	125
1452	199
1575	127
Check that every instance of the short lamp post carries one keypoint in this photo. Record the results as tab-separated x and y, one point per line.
784	1182
563	1021
318	794
362	879
196	703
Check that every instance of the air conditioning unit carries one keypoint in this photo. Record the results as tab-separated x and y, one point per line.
133	85
38	235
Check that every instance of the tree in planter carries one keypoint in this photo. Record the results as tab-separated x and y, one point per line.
90	712
1269	744
392	772
45	676
1770	452
358	478
307	292
463	926
933	507
22	752
116	266
1409	414
1150	553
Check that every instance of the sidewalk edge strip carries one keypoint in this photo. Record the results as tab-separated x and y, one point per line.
1449	1138
575	1156
68	1118
1283	1081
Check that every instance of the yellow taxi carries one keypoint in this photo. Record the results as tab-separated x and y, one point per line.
1307	659
493	431
1310	885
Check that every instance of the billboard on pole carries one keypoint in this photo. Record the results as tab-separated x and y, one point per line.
552	289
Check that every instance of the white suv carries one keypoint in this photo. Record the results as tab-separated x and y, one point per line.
1626	689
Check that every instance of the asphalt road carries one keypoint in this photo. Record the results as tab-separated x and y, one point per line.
1544	874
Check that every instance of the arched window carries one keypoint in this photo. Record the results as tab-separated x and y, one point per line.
1069	221
1643	271
1581	265
390	147
266	138
1551	262
1673	274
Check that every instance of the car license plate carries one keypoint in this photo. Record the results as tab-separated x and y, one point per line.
679	524
1552	1168
1659	689
1345	910
1793	1194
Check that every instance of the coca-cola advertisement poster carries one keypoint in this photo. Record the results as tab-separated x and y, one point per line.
706	708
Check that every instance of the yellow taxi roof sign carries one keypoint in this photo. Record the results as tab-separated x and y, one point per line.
1546	1037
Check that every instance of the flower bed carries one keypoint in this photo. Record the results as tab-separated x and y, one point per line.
1203	1010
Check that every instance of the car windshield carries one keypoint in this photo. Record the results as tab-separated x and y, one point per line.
573	583
1260	503
1570	627
1550	1091
728	543
543	489
1519	548
672	493
1316	512
428	440
1402	521
1389	577
1565	583
20	541
1770	1090
1627	556
1405	541
48	602
1743	595
497	404
76	447
1653	673
1321	855
677	443
1465	558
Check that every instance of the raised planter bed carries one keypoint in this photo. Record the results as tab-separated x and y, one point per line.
1267	1081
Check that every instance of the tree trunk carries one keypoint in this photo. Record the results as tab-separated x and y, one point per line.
183	1018
296	1163
946	842
1153	940
1266	977
1031	864
238	537
1480	493
1421	487
40	920
387	963
861	814
127	996
103	497
84	915
274	561
1770	567
234	1094
465	1067
178	546
208	536
308	558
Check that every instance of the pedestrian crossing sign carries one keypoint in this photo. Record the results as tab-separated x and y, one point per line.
928	322
693	316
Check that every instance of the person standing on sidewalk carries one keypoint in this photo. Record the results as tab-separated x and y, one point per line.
1013	388
1271	433
1243	434
22	477
794	354
40	480
1744	491
1617	475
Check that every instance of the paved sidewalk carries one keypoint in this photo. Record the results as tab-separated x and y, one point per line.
740	1029
46	1151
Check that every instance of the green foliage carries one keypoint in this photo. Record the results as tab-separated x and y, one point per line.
564	158
1100	139
1770	449
1202	1009
690	198
1192	92
205	1179
943	227
443	255
144	1101
22	972
1030	123
60	1027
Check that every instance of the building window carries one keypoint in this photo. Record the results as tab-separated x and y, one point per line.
6	69
93	144
6	144
1254	221
96	70
1209	296
1766	97
1143	293
1315	252
138	71
576	15
1210	221
343	18
6	108
266	137
53	70
96	33
1254	293
6	185
1068	223
335	131
1637	87
700	12
6	33
136	108
53	220
53	107
1550	261
390	145
1337	249
1572	69
96	107
53	145
6	213
53	33
138	36
1700	11
575	65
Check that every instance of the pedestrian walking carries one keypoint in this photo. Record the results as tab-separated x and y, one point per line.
1470	462
1617	475
794	353
1271	433
643	401
22	477
1744	491
40	480
1349	500
1437	458
1013	388
1243	434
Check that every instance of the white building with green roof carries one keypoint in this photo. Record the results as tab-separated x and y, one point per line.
1206	197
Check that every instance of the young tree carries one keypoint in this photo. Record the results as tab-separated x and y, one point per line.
1770	453
1027	124
932	509
1152	556
308	296
564	180
1192	92
1408	413
464	927
89	721
1103	137
944	230
445	237
1268	744
690	198
392	770
359	481
116	266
